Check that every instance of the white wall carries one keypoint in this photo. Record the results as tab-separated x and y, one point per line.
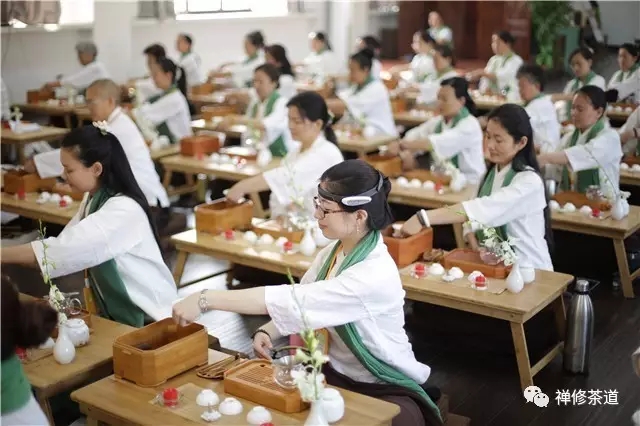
620	21
31	58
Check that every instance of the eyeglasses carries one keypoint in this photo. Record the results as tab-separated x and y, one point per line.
323	211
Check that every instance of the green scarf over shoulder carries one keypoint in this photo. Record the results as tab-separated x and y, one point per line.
278	148
585	178
350	336
485	190
462	114
163	128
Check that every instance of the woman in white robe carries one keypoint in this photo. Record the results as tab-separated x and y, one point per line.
352	284
581	61
367	100
371	43
542	114
511	198
293	184
321	63
629	62
112	237
242	71
438	30
145	87
276	55
168	111
422	65
267	112
499	76
630	133
454	136
91	70
430	85
591	154
190	61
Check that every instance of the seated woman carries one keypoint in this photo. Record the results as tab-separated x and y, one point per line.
315	151
367	100
267	111
499	76
438	30
321	63
91	70
190	61
276	55
511	197
629	62
168	111
352	288
371	43
430	85
591	154
25	325
421	65
112	237
581	61
242	71
455	135
630	134
544	120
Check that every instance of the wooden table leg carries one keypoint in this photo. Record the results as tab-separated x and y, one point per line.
626	279
46	407
560	314
166	180
67	121
522	354
91	421
230	275
179	267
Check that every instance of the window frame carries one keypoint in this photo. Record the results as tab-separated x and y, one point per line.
211	11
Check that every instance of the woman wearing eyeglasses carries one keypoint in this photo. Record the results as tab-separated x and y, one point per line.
353	289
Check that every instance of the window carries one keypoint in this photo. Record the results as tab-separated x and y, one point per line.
210	6
76	12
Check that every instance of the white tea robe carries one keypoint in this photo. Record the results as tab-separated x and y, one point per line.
376	68
242	71
275	124
172	109
146	88
633	122
544	121
520	206
192	66
629	88
431	85
287	86
422	67
373	105
83	78
561	106
603	152
442	35
135	148
29	414
505	72
119	230
322	64
463	140
369	295
296	180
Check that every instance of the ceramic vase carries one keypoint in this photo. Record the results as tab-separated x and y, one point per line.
528	274
515	283
317	415
307	244
319	238
458	182
333	405
63	351
618	209
264	156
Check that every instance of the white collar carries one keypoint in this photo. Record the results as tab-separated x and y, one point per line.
114	115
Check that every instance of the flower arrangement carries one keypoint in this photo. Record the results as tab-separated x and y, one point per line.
309	380
56	297
503	249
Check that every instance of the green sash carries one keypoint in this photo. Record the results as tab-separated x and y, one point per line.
585	178
538	96
278	148
163	128
109	291
485	190
621	74
349	334
359	87
576	86
494	69
15	388
463	113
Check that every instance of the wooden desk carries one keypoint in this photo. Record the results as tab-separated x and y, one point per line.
238	251
117	402
212	125
157	154
616	230
411	118
57	110
627	177
362	145
517	309
47	212
46	133
92	362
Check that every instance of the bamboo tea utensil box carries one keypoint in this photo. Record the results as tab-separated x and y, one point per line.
253	380
199	145
210	111
249	154
425	175
18	180
405	251
578	199
388	165
274	228
221	215
153	354
469	261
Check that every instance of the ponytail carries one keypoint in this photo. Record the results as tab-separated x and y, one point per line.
179	76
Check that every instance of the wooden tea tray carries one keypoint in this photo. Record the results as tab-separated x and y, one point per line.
253	380
248	154
631	160
469	260
34	355
579	200
388	165
274	228
425	175
494	286
216	370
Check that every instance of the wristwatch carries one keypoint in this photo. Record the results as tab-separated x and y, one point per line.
202	302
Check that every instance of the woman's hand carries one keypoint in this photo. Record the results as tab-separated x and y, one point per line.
262	345
187	310
393	148
412	226
236	193
29	166
542	160
472	241
408	160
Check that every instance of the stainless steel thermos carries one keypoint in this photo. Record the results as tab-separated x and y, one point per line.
579	332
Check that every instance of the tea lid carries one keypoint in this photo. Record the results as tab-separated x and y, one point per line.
75	323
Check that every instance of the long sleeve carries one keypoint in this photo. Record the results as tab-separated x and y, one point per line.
524	195
453	141
506	75
48	164
83	78
598	152
101	236
161	110
277	122
423	131
191	65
